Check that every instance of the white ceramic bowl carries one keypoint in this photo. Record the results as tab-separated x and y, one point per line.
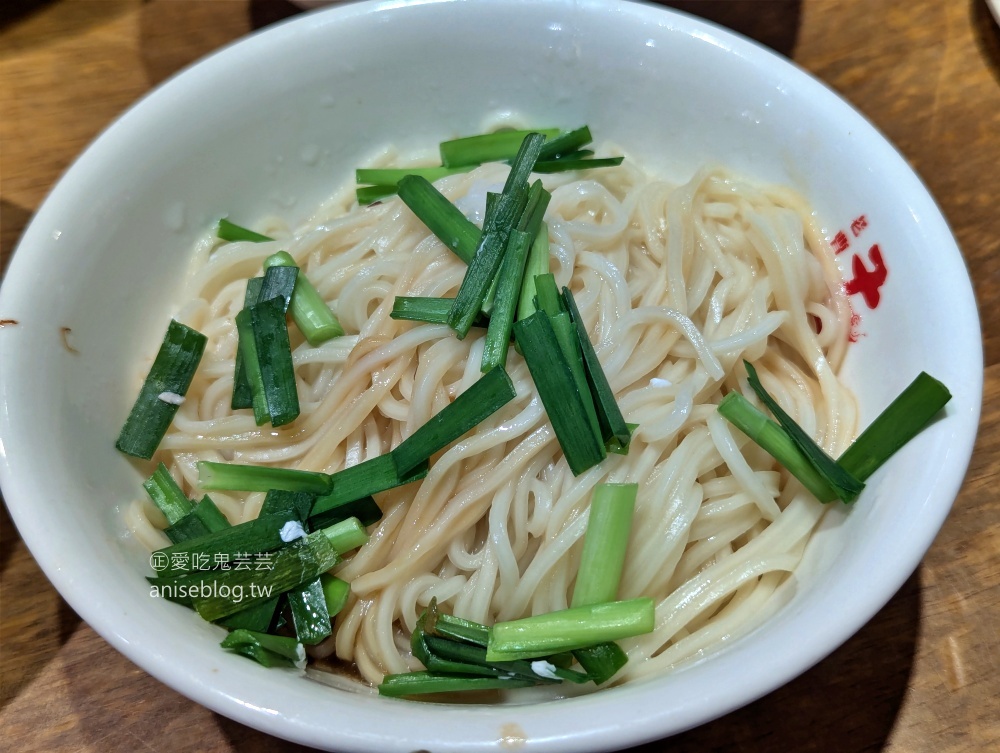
274	124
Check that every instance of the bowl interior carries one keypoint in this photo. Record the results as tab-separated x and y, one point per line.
276	123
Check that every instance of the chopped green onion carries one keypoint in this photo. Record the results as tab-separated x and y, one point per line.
488	147
846	486
440	216
203	519
564	403
268	650
505	301
375	475
291	504
547	295
217	548
164	387
391	176
242	394
364	509
310	616
601	662
537	264
336	592
278	282
902	420
274	359
346	535
247	349
370	194
570	629
260	478
563	165
608	527
492	391
231	232
420	683
565	143
258	618
426	309
311	314
776	442
614	430
167	495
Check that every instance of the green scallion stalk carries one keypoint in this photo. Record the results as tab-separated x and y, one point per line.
564	403
309	311
336	592
391	176
247	347
165	385
267	650
570	629
566	337
205	518
492	391
565	143
902	420
421	309
605	542
366	195
742	414
440	216
547	295
291	505
258	618
231	232
489	147
846	486
421	683
346	535
310	617
601	662
260	478
167	495
365	509
614	430
242	393
505	301
375	475
537	264
564	165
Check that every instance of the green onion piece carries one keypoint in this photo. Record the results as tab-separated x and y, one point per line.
215	549
336	592
565	143
547	294
260	478
247	348
505	301
492	391
309	311
846	486
421	309
566	337
900	422
570	629
167	495
742	414
392	175
242	394
615	446
420	683
364	509
203	519
473	292
601	662
564	165
310	616
435	622
226	592
278	644
489	147
231	232
614	430
346	535
564	403
440	216
167	381
370	194
291	505
258	618
278	282
375	475
604	544
537	264
274	358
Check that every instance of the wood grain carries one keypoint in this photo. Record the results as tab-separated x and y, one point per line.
923	676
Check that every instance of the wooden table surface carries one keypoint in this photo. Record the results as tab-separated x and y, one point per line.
923	676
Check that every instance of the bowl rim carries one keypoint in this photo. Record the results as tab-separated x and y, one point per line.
654	721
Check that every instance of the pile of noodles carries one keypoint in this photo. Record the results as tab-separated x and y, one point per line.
677	285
